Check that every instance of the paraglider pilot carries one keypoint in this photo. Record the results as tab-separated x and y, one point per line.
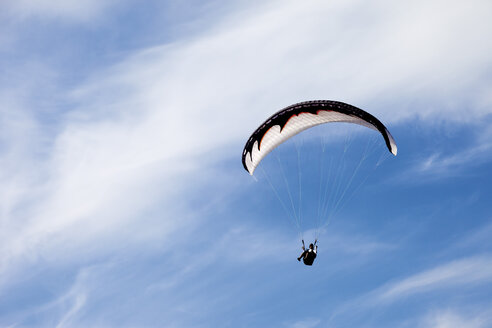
308	255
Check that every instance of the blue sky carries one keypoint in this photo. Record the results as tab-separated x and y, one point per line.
123	201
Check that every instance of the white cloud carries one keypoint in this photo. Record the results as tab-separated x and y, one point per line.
478	237
468	271
444	163
463	274
71	10
306	323
356	247
448	164
453	318
76	298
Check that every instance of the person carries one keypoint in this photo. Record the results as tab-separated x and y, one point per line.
308	255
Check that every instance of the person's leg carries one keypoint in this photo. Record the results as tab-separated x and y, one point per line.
302	255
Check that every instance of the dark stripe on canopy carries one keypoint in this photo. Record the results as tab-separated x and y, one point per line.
281	118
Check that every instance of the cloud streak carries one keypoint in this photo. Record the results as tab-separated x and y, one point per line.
454	318
454	163
468	272
459	273
68	11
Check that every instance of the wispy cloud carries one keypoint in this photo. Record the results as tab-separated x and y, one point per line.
306	323
453	318
444	165
478	237
75	298
465	272
354	244
70	10
447	285
440	164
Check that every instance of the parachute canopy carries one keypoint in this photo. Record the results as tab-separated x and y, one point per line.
298	117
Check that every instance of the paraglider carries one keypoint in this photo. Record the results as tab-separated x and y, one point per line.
296	118
309	255
289	122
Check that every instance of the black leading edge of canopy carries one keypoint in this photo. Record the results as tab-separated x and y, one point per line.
281	118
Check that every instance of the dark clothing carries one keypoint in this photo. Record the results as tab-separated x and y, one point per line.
308	257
